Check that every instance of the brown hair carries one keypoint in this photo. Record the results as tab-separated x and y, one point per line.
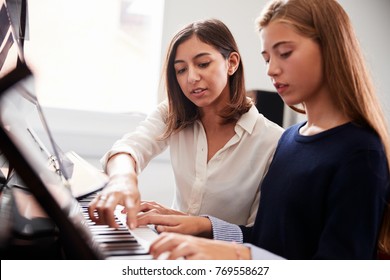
182	112
346	74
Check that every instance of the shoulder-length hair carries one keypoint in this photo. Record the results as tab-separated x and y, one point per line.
181	111
346	73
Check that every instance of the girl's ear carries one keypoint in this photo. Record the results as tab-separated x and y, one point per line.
234	62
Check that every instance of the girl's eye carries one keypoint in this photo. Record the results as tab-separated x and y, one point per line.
286	54
266	59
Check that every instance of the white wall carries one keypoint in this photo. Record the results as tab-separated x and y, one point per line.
372	21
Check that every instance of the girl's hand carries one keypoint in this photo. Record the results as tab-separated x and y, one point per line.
173	246
193	225
152	207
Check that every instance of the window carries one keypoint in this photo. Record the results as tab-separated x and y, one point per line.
100	55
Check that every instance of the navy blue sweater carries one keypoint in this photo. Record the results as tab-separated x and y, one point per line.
323	196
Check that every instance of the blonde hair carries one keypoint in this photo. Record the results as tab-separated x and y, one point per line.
346	74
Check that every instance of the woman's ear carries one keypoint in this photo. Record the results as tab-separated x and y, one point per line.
234	62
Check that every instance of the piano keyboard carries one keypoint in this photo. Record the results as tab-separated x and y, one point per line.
119	243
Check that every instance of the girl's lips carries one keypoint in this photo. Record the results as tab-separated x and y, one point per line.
280	88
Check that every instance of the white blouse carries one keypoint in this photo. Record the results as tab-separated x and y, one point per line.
226	187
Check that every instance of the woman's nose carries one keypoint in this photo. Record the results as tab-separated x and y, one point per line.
193	75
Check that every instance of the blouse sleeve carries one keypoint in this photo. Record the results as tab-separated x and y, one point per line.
143	144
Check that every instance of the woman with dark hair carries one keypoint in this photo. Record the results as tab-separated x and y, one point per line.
220	146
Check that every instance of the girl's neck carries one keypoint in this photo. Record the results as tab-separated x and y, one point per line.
321	117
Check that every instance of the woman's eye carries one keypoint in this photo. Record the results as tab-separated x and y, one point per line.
180	71
204	65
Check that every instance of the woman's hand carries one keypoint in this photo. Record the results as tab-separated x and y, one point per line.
119	191
194	248
193	225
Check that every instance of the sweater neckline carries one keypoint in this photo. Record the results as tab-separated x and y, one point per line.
303	138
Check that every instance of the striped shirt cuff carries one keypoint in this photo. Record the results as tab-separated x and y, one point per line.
225	231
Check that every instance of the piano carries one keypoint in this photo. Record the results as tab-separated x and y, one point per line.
42	214
26	232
